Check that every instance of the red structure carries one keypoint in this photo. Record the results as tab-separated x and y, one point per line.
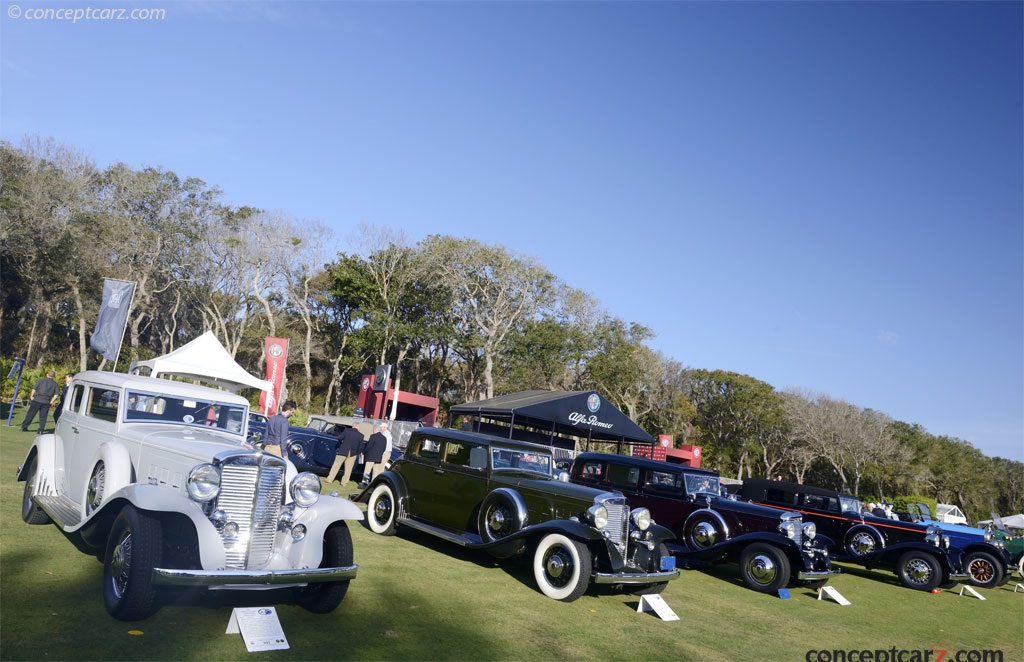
411	406
686	455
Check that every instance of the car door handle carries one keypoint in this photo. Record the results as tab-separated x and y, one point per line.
439	471
74	429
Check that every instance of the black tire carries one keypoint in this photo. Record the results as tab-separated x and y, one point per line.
919	570
499	517
983	569
702	530
134	548
381	510
863	540
562	567
30	512
95	491
764	568
324	597
653	589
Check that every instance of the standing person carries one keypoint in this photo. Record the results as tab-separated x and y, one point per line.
277	430
387	449
350	444
373	457
44	394
63	396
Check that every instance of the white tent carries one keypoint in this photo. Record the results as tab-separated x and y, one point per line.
205	360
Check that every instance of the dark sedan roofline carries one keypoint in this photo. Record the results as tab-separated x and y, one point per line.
762	484
649	464
481	439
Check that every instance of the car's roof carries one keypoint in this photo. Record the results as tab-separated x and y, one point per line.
481	439
751	485
157	385
656	465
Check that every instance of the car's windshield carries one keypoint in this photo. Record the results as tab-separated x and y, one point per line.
151	407
925	511
702	484
520	460
850	506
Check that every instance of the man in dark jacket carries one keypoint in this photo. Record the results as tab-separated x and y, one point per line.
350	445
373	456
63	396
44	394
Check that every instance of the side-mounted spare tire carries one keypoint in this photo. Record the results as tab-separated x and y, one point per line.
502	513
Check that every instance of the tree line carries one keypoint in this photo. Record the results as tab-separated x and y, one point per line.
459	319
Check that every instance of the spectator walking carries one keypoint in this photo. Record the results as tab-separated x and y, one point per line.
277	430
350	445
373	456
63	396
44	394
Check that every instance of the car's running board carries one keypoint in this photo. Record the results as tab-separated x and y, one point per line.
466	540
62	510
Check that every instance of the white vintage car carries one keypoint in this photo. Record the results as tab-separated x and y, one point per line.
156	477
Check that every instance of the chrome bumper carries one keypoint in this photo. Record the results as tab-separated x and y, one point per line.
173	577
634	577
816	574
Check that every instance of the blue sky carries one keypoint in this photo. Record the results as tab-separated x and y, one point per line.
821	195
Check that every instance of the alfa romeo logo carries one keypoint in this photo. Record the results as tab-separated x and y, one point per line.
594	402
366	383
276	350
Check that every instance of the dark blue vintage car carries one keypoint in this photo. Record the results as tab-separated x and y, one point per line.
922	555
309	449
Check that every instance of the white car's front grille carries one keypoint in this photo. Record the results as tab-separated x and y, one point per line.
251	488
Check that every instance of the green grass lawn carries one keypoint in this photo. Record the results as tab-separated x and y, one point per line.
417	598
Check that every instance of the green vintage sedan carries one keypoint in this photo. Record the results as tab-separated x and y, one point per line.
502	496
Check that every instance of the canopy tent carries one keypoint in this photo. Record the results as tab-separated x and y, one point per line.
551	415
204	360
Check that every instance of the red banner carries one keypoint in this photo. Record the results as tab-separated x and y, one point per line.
275	351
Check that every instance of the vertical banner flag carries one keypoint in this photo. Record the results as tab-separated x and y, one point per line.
117	299
275	351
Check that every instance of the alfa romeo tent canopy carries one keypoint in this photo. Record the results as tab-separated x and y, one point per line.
204	360
585	415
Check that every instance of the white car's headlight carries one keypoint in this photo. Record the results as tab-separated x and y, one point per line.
641	518
203	482
598	516
305	489
810	530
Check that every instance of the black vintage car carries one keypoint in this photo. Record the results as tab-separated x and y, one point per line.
773	549
921	554
500	495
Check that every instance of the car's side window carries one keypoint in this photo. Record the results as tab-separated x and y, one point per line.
76	397
780	496
624	476
663	482
592	470
103	404
464	455
427	449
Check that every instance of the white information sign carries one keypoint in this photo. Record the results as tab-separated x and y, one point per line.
970	590
260	628
831	592
657	604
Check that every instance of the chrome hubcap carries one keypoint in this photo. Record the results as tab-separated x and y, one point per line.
704	534
762	568
918	571
120	564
